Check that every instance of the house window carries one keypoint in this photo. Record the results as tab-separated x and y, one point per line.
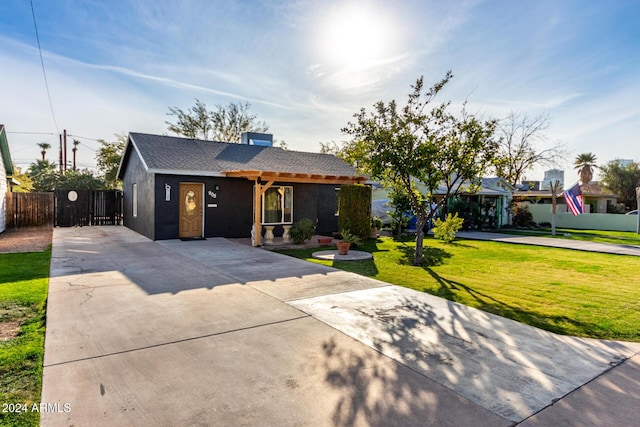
277	205
134	192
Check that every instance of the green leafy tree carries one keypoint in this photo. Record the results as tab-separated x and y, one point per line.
400	206
585	163
519	136
225	123
108	160
26	183
47	178
424	143
622	180
84	179
44	175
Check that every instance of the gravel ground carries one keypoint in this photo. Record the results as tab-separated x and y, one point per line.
25	239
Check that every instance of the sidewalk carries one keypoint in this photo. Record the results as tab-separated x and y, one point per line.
578	245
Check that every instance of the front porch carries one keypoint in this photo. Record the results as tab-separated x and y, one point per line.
279	243
263	181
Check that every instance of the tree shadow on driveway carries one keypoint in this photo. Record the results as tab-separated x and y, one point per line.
509	369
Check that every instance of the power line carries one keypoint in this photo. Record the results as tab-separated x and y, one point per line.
85	137
83	144
86	146
55	134
33	133
46	83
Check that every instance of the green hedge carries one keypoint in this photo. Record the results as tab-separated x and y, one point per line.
355	210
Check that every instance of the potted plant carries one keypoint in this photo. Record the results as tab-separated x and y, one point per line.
376	225
347	240
302	230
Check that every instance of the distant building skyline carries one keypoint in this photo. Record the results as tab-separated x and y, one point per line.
552	175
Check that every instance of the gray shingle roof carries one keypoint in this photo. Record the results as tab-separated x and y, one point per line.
184	155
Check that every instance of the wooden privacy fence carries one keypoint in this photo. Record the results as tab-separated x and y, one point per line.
64	208
29	210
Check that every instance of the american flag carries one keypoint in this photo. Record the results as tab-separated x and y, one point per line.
574	200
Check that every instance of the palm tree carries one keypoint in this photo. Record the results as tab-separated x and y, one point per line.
75	148
585	163
44	175
45	146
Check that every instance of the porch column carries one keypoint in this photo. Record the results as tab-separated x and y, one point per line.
259	190
257	211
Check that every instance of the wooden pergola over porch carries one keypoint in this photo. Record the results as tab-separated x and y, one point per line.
265	179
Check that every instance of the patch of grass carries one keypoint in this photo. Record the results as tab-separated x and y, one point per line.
24	278
598	236
564	291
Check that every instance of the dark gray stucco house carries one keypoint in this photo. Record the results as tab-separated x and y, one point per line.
188	188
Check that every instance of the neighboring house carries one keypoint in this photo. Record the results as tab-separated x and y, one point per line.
6	171
187	188
493	197
596	198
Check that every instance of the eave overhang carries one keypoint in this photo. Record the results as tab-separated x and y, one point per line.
267	176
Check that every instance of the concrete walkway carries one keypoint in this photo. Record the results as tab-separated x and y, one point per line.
217	333
579	245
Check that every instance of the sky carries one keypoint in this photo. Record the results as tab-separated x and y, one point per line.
306	67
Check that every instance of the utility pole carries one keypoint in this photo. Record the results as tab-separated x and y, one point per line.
65	150
60	153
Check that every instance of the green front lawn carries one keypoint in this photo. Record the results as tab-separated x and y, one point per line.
560	290
598	236
24	278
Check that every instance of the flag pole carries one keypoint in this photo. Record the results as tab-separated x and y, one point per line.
638	206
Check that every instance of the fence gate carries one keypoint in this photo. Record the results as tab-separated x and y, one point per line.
88	207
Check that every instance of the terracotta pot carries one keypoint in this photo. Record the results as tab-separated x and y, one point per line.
324	240
343	248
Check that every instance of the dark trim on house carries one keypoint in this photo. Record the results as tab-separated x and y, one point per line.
231	175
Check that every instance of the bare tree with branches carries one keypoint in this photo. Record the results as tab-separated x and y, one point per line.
519	135
225	123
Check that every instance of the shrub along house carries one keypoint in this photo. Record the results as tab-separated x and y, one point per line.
188	188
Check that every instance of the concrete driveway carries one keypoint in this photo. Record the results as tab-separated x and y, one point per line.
216	333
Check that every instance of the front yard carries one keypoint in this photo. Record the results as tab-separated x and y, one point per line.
560	290
24	278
